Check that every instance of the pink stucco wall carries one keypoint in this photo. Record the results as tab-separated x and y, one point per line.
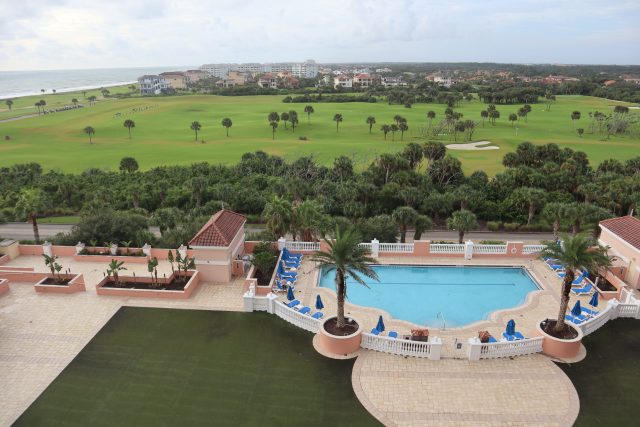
191	286
75	285
624	250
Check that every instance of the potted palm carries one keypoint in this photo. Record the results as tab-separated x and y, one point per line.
575	253
339	334
113	268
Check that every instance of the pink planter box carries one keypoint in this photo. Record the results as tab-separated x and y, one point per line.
189	288
4	286
75	285
107	258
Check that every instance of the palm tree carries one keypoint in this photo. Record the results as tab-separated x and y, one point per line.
513	118
554	212
493	115
349	260
90	131
309	110
463	221
74	101
293	119
285	118
575	116
42	90
92	99
394	128
195	126
385	129
84	94
530	199
273	117
308	219
484	114
398	118
277	212
42	104
421	224
405	217
337	118
575	253
274	126
227	123
113	268
403	126
129	124
371	121
30	205
431	115
37	104
9	103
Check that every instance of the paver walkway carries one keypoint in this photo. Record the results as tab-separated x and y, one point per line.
525	391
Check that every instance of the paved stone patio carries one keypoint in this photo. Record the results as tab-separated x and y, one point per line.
41	333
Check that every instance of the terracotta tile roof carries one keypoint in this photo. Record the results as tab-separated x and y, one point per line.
220	230
625	227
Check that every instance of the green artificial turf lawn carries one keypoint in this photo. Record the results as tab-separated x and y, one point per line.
152	367
162	135
608	380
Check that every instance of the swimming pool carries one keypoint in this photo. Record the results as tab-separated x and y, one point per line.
426	295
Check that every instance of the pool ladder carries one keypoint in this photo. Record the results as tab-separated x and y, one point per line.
444	322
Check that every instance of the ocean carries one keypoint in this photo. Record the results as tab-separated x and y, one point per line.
24	83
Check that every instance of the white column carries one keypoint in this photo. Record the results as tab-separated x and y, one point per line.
436	348
146	249
375	247
281	243
114	249
271	300
183	251
247	301
79	247
47	248
475	347
468	249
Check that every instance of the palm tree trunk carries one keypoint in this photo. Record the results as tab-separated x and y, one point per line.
36	233
564	299
556	227
340	291
460	236
403	234
129	133
532	211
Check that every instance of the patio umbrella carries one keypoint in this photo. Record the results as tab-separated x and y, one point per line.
380	325
576	310
290	296
511	327
319	304
593	302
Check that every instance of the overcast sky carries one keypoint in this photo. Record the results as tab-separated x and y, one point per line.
62	34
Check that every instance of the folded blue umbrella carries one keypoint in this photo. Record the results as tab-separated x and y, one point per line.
319	304
290	296
511	327
380	326
576	311
593	302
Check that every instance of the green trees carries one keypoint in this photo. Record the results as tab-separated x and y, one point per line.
274	126
309	110
114	268
528	198
434	150
371	121
90	131
9	103
129	124
422	223
128	165
554	212
575	116
385	130
195	126
513	118
580	132
349	260
413	154
30	205
92	99
493	114
462	221
278	216
74	101
165	218
403	128
550	99
309	220
338	119
227	123
394	128
285	118
484	114
431	115
293	119
575	253
405	217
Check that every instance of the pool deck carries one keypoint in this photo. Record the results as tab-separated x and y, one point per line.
40	334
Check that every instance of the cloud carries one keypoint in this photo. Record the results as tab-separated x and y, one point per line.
123	33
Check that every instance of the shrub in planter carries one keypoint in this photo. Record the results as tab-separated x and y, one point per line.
264	262
494	225
50	261
511	226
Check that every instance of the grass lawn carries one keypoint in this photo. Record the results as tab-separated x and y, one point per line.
59	220
151	367
608	380
162	135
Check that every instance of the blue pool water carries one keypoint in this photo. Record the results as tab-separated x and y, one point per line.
425	294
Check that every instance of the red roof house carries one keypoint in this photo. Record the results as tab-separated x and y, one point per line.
622	235
221	229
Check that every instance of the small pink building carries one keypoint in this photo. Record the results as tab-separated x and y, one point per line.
218	243
623	236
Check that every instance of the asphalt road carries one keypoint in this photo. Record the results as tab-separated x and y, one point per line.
20	230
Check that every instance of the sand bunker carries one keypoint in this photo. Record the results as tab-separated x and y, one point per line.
480	145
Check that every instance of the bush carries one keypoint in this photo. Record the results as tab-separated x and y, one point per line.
381	227
302	138
111	226
494	225
265	246
536	227
492	242
511	226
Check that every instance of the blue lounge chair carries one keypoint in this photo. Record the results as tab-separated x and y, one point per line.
578	280
492	339
304	310
284	272
287	280
393	334
516	336
318	315
288	255
293	303
278	287
574	320
589	311
583	291
374	331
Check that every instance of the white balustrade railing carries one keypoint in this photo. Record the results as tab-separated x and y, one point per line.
629	310
296	318
396	247
303	246
594	323
532	249
446	248
478	350
365	245
260	303
430	349
490	249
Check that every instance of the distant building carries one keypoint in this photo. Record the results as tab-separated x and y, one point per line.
364	80
234	78
622	235
175	79
194	75
308	69
383	70
152	84
393	82
268	81
343	81
609	82
250	68
216	70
